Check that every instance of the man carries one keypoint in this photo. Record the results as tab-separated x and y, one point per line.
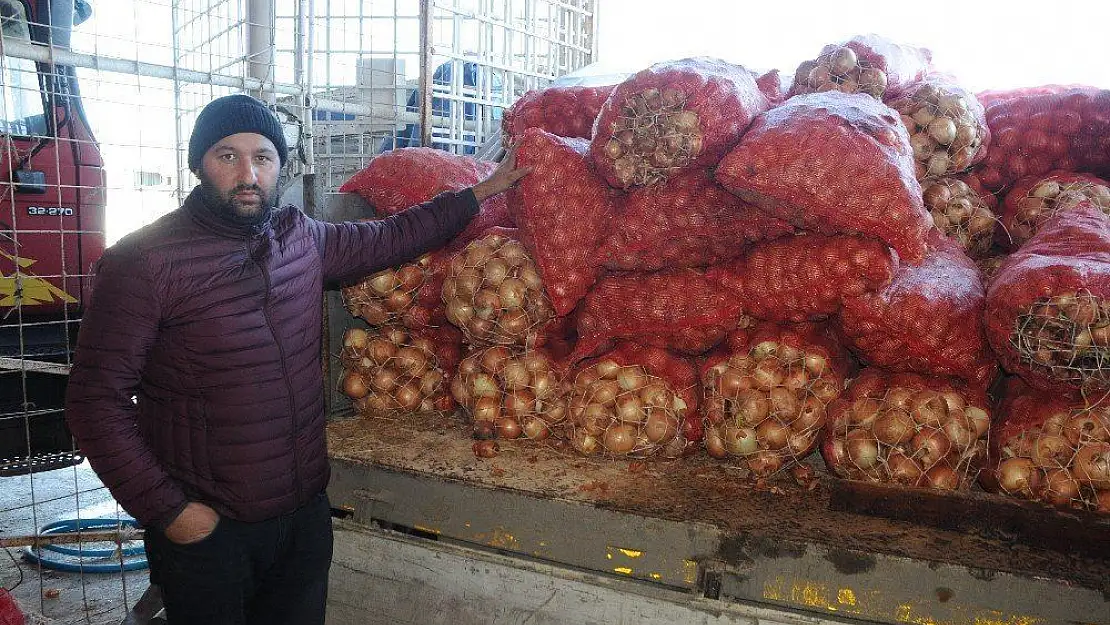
197	391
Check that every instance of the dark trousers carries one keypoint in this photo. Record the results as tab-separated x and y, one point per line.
271	572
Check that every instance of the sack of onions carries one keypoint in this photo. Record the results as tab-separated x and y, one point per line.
928	320
864	64
673	116
562	210
562	111
1051	447
765	397
386	296
903	428
387	370
1034	199
805	277
1034	132
961	214
511	393
688	222
1048	309
947	126
688	310
398	179
633	401
836	164
493	293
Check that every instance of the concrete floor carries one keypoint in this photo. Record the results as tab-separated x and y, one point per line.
28	502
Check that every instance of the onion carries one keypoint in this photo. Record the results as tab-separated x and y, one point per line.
954	401
837	451
978	419
535	429
862	449
864	411
801	443
603	391
959	433
397	336
629	408
584	442
772	434
494	358
520	403
410	276
816	364
508	428
459	312
514	322
894	427
715	445
825	390
595	417
459	390
544	384
1085	426
619	439
730	383
411	360
842	61
740	441
607	369
487	409
768	374
903	469
811	416
486	303
900	397
486	449
796	379
380	350
495	271
354	386
656	393
631	378
384	380
484	385
929	408
1092	465
1018	476
398	301
784	404
468	366
531	278
383	283
430	382
660	426
374	312
512	292
407	396
942	477
1051	451
478	252
356	338
467	283
1060	488
513	253
930	445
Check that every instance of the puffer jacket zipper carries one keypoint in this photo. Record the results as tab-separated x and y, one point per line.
265	269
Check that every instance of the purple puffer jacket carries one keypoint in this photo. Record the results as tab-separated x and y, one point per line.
215	330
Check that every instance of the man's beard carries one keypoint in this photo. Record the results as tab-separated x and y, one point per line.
229	207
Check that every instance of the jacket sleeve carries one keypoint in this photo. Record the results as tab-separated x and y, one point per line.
117	331
353	249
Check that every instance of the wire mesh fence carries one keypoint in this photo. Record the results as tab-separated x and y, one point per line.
97	101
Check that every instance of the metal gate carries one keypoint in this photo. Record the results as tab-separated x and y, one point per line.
94	126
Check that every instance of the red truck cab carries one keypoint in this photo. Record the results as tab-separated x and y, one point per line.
52	187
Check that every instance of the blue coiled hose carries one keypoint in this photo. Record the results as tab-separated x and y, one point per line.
135	557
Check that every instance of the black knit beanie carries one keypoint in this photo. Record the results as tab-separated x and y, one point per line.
230	115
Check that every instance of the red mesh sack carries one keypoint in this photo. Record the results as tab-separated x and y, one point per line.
688	222
1035	131
864	64
1047	314
406	177
10	614
774	86
1034	199
928	320
673	116
688	310
805	277
562	111
947	126
563	212
634	401
1052	447
833	163
902	428
766	395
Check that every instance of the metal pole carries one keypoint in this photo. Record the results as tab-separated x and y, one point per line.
260	46
426	8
